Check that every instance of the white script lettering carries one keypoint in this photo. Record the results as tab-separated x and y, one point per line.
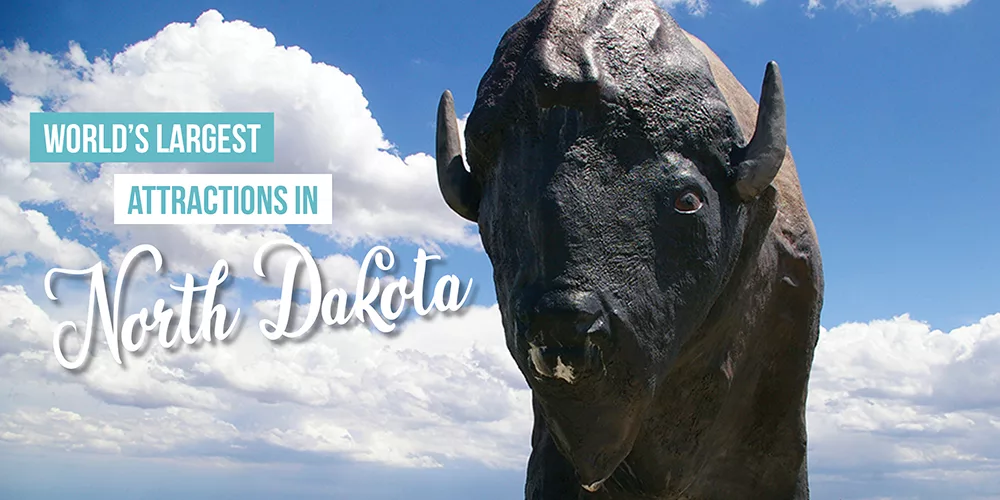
125	337
368	302
367	293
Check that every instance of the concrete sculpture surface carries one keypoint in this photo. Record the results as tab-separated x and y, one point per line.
657	272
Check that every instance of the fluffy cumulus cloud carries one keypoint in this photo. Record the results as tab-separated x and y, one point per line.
904	6
322	125
900	399
813	6
445	390
33	427
24	325
28	231
701	7
695	7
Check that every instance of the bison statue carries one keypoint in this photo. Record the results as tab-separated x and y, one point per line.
657	273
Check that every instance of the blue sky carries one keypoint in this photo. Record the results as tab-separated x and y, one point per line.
887	120
893	120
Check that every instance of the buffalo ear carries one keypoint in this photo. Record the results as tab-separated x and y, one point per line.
458	188
760	160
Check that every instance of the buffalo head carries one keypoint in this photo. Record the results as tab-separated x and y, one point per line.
613	192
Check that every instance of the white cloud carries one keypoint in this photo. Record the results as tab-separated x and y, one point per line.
694	7
26	333
147	382
701	7
146	434
894	396
897	396
444	376
23	325
443	389
322	124
907	6
29	231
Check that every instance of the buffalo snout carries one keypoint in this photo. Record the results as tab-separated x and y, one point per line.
565	333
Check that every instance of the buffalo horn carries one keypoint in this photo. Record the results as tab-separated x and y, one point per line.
762	157
458	187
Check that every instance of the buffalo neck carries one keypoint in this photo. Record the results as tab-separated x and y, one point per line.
716	424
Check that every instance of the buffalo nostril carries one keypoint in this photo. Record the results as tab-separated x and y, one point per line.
564	330
565	319
567	329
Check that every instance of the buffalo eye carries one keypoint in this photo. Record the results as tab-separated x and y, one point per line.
688	202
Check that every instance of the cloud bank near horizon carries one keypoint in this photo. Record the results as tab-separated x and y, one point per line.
894	396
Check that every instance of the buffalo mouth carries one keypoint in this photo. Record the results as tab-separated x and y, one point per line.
594	436
585	369
594	422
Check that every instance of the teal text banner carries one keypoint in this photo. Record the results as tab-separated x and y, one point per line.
152	137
